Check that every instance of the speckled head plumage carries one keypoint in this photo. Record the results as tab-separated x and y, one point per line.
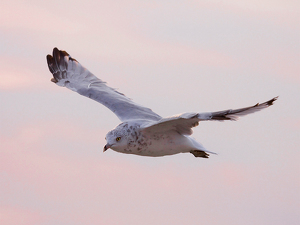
116	138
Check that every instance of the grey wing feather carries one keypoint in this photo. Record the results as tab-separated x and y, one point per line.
234	114
68	72
184	123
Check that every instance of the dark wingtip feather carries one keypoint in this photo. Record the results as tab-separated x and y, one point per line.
53	62
271	102
55	52
55	49
64	53
50	63
57	63
49	59
56	55
268	103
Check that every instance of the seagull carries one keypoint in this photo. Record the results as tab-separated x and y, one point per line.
142	131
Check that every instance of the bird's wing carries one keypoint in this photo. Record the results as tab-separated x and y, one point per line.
68	72
184	123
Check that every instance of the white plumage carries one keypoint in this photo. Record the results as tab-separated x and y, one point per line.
142	131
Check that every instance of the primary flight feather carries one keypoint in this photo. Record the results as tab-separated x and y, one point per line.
142	131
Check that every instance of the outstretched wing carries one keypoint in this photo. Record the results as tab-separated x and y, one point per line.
68	72
184	123
234	114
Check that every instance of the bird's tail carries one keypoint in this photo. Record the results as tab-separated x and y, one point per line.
200	150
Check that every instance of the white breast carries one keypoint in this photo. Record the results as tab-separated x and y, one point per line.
158	144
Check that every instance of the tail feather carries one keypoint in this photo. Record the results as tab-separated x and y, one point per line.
199	149
198	153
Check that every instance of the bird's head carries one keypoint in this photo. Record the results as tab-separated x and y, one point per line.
116	139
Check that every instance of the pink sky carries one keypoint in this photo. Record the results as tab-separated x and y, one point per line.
172	56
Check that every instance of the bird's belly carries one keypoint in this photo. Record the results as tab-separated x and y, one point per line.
158	145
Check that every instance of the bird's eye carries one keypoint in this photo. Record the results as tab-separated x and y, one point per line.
118	138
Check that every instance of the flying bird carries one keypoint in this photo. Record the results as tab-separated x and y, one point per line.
142	131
